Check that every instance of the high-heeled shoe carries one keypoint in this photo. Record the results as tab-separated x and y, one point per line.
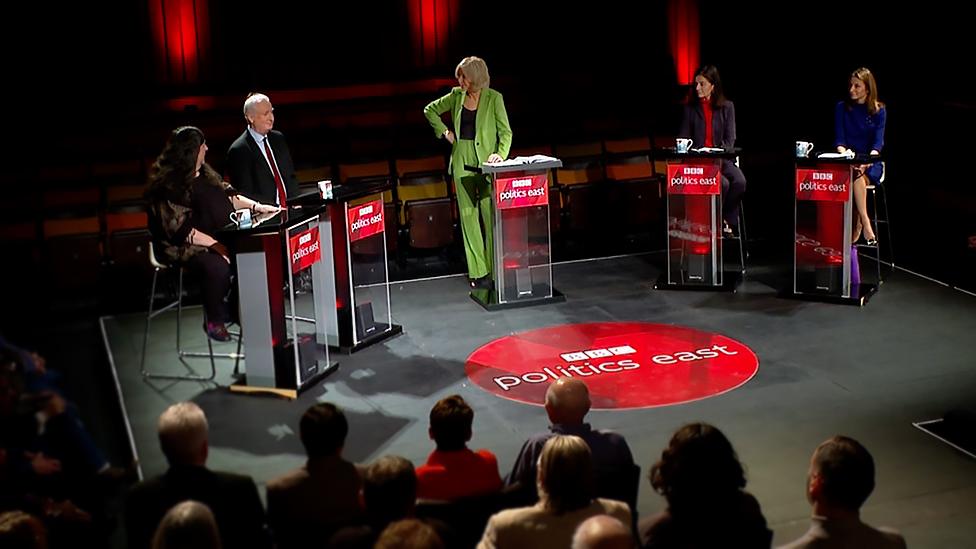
217	331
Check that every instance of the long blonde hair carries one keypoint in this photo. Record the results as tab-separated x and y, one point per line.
565	477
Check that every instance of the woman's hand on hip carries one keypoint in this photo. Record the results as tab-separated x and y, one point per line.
449	135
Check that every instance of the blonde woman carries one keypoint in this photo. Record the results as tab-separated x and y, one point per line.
481	134
566	499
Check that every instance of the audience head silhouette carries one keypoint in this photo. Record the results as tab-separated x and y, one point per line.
187	525
565	474
409	534
699	466
567	401
389	489
450	423
183	434
841	475
603	532
323	429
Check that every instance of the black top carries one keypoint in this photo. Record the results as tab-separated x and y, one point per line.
467	123
232	498
211	207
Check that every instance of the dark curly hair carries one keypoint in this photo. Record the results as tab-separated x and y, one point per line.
175	168
698	465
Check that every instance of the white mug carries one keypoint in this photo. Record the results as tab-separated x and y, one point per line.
241	218
682	144
803	148
325	189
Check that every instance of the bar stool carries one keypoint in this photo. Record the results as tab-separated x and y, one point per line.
178	303
740	239
878	192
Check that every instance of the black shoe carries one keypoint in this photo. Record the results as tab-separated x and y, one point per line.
483	283
872	242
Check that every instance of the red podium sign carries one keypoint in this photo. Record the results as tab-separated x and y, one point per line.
694	178
305	249
823	184
365	220
521	192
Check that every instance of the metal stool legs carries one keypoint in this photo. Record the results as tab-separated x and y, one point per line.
878	221
886	221
741	240
178	303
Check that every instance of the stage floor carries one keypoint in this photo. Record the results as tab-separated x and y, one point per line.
823	370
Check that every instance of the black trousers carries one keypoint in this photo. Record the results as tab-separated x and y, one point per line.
213	272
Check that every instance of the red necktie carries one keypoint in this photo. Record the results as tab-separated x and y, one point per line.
277	176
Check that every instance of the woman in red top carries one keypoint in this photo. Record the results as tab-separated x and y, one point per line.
709	120
452	470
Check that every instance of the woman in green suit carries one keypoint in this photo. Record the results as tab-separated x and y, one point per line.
481	134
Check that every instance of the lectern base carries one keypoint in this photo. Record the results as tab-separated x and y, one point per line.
376	337
241	386
488	299
860	293
730	283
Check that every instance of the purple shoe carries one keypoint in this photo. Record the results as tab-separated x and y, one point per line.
217	331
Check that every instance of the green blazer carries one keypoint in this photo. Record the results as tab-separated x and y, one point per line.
492	132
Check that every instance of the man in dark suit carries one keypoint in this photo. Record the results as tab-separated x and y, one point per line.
259	164
322	495
233	498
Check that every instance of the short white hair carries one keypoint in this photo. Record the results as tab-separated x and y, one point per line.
182	433
253	100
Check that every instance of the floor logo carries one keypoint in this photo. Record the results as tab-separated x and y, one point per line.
624	364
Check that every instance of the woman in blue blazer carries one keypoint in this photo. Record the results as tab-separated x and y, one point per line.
859	122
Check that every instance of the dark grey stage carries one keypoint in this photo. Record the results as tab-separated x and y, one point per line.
824	369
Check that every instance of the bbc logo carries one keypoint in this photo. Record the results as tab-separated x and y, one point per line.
598	353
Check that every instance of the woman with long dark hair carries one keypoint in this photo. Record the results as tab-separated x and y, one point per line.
703	482
709	121
188	203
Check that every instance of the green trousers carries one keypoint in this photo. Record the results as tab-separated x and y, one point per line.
474	196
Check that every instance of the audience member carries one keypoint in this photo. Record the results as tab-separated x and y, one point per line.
566	488
567	403
840	479
703	482
603	532
323	495
452	470
409	534
232	498
187	525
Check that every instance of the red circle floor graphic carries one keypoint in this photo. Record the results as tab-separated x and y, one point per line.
624	364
